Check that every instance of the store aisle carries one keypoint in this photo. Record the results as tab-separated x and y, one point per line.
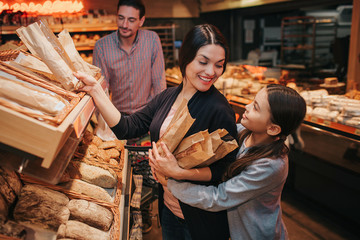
302	220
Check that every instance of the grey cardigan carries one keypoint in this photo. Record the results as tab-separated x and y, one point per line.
252	198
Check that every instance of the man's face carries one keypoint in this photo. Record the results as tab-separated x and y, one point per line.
128	21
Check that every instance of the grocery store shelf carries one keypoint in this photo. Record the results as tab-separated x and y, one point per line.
321	124
70	27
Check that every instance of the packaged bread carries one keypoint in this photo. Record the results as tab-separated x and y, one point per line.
40	41
84	211
87	189
31	96
77	230
43	207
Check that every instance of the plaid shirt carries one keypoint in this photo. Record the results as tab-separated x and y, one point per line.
135	78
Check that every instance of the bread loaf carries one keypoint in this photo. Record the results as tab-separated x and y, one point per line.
92	174
81	231
42	207
87	189
3	210
84	211
10	185
13	230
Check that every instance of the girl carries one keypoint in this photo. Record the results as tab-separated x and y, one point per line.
254	182
202	59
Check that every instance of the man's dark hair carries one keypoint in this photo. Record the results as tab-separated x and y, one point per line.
137	4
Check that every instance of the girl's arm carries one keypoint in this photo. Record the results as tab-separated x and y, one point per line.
257	179
107	109
167	166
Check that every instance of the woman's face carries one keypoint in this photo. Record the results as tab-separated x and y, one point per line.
257	116
206	67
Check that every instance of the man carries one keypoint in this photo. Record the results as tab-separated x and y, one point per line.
131	59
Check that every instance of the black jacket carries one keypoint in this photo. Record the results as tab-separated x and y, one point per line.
211	111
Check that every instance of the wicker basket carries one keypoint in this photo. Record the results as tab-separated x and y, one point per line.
113	206
71	97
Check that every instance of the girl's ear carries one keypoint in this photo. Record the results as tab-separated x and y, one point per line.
273	129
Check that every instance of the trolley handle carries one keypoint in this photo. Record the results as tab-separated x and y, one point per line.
137	148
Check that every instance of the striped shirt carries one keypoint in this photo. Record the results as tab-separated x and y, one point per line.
135	78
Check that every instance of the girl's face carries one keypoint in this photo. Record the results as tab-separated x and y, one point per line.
257	114
206	68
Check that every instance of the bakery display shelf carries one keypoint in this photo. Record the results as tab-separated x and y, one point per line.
120	205
85	48
319	123
334	127
124	205
70	27
42	140
241	101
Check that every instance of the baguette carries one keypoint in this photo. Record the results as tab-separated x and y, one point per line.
31	97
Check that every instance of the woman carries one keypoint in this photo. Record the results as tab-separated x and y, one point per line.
254	182
202	59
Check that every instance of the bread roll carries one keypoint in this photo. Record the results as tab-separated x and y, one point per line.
42	207
87	189
81	231
84	211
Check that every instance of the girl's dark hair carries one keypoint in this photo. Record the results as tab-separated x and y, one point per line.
137	4
287	110
197	37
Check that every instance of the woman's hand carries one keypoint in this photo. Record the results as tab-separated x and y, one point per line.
166	165
107	109
89	81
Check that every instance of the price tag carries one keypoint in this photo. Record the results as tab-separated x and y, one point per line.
357	131
314	119
327	123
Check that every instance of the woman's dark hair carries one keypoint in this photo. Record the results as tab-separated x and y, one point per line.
287	109
197	37
137	4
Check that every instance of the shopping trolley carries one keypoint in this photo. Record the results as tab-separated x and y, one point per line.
139	159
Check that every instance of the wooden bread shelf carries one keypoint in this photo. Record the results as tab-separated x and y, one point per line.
40	139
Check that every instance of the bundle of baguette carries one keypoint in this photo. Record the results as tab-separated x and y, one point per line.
198	150
59	54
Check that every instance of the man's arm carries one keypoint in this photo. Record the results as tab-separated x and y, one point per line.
158	67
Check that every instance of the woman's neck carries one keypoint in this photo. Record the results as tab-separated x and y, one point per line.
188	90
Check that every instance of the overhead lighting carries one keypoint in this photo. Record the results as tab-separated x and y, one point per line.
48	7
